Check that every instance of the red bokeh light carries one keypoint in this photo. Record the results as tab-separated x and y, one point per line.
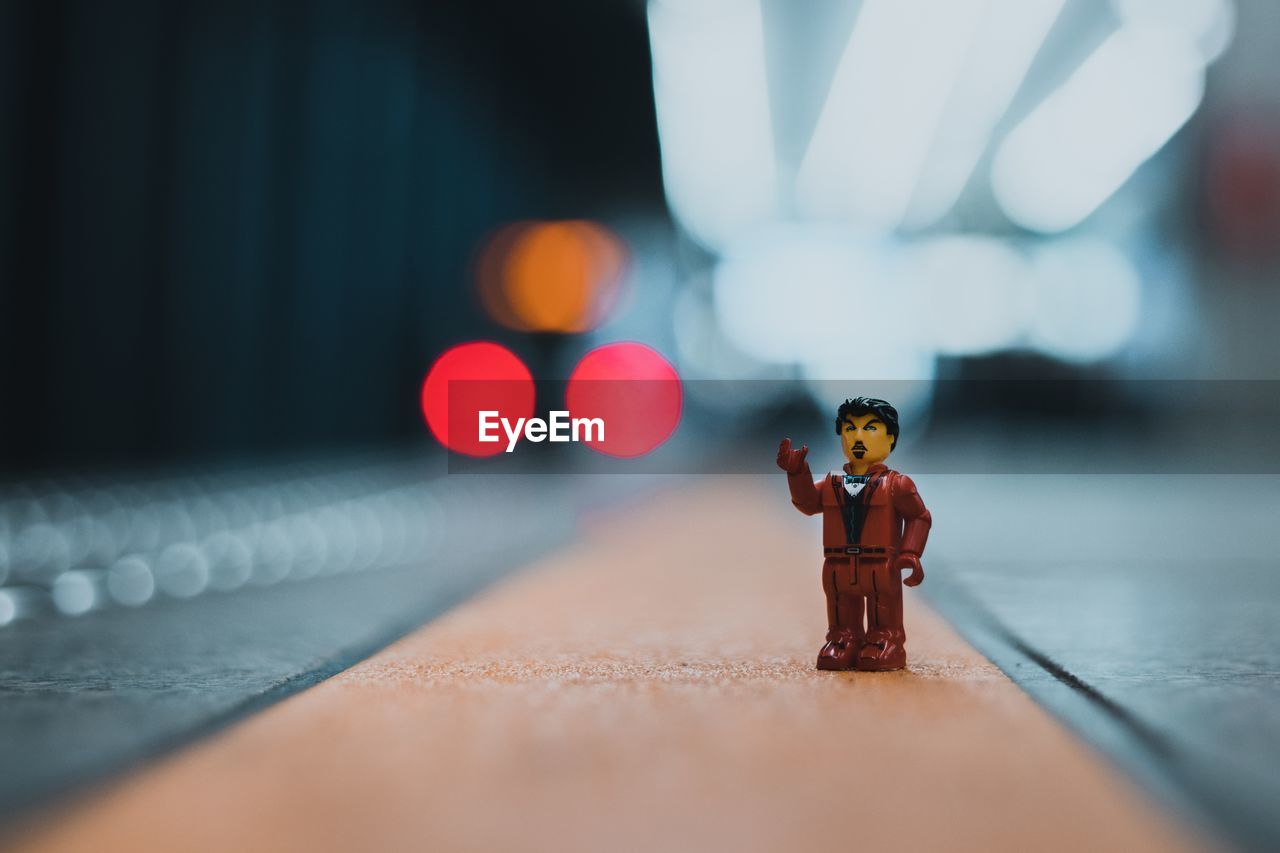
1243	187
634	390
467	379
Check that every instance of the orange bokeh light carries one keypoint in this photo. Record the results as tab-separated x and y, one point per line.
550	276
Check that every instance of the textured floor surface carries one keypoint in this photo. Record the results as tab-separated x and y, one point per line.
88	696
649	687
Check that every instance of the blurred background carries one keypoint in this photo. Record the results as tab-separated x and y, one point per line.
251	229
234	238
247	229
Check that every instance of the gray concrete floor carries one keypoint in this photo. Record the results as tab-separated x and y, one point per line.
1142	610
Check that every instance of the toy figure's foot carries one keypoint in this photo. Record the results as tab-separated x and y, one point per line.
840	652
882	656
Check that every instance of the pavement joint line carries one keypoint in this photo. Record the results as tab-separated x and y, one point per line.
1152	759
1157	743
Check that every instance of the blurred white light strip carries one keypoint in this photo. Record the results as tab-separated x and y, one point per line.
712	105
1084	141
883	108
1007	41
1207	24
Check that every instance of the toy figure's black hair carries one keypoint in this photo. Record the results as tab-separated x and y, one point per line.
859	406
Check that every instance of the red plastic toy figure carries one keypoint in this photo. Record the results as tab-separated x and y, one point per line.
874	527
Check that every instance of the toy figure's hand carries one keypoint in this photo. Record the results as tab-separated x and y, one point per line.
912	562
791	461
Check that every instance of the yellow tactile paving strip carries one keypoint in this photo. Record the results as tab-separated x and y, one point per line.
650	687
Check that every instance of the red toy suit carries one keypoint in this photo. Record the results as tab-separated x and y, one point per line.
871	524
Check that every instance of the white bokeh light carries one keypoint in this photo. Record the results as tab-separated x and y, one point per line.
974	293
230	561
1087	300
8	607
182	571
76	592
793	294
130	582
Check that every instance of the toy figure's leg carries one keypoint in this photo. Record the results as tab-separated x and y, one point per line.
852	608
844	617
833	596
885	645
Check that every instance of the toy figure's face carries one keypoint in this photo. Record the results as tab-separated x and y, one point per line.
865	439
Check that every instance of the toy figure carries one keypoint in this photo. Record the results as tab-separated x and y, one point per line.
874	527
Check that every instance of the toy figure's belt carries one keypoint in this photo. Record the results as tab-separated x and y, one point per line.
847	550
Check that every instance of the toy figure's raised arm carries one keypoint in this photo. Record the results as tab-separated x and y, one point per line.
804	491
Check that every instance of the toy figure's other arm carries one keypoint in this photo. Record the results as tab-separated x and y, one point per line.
915	529
804	491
